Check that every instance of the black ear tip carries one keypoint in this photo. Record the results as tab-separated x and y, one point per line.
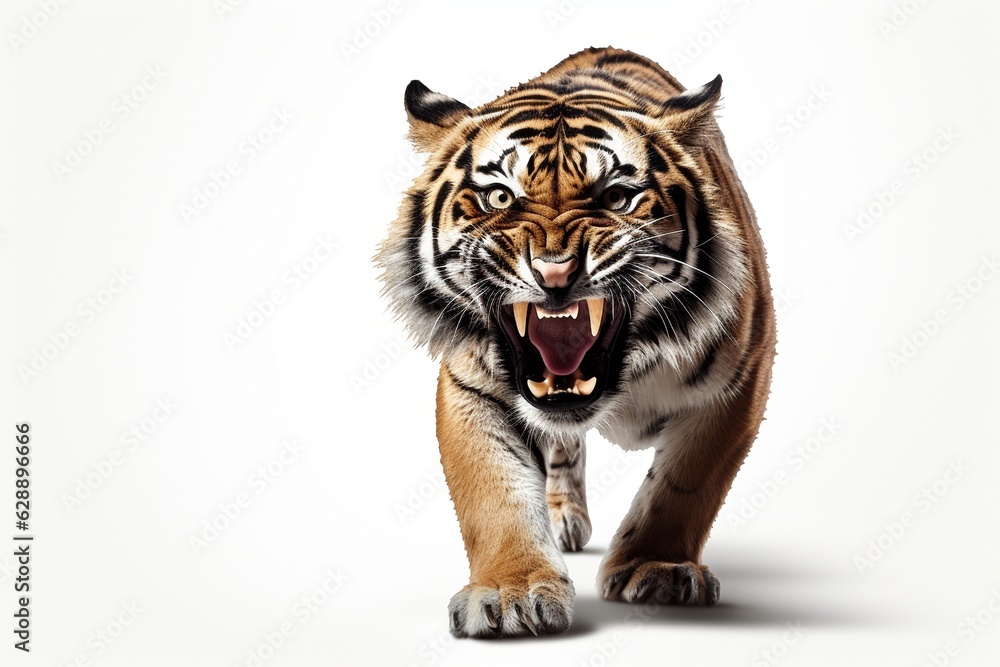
423	104
414	91
708	92
415	87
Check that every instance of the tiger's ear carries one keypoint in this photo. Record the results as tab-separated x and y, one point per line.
686	113
431	115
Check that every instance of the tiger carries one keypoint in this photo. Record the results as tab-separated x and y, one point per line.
580	254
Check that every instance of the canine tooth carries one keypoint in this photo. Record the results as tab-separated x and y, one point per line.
596	308
521	316
539	389
585	388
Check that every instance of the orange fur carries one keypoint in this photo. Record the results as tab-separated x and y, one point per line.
695	393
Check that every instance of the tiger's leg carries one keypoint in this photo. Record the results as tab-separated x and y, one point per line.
566	493
518	580
656	553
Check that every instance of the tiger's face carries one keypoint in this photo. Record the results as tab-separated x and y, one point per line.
568	229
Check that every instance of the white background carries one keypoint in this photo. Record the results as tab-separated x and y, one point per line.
363	498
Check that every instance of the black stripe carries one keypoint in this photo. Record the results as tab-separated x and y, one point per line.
608	261
427	297
438	170
653	428
701	284
736	382
463	160
496	166
650	329
607	117
530	133
630	58
705	367
675	487
594	132
657	161
678	196
533	449
479	392
439	258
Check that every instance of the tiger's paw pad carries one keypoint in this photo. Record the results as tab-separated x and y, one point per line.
571	526
544	607
661	582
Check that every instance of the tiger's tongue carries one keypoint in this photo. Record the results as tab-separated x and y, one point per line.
562	341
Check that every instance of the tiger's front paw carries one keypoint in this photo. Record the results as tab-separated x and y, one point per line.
539	605
658	581
570	525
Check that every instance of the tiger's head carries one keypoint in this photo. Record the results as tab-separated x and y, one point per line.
567	230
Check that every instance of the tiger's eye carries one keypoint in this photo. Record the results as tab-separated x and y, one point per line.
499	198
615	198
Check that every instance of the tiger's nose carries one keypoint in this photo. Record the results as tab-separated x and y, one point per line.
554	274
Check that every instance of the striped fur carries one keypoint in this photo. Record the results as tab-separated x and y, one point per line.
684	263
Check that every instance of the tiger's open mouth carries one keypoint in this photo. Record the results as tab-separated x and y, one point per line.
562	358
